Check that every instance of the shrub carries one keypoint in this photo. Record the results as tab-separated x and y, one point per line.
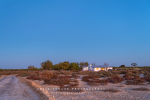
55	75
147	78
92	80
101	75
121	85
71	87
116	79
60	81
135	71
34	68
111	90
107	74
33	77
87	73
75	75
123	66
140	89
135	82
127	77
103	81
129	73
92	83
73	83
87	78
64	76
122	72
115	72
46	74
136	78
64	72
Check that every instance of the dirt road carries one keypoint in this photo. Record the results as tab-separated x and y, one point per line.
12	89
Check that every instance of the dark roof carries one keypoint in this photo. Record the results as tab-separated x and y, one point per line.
100	66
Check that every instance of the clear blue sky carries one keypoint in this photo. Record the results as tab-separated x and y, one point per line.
112	31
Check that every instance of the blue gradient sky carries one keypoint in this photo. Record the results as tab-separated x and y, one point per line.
112	31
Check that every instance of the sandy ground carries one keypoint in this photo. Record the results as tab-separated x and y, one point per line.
125	92
12	89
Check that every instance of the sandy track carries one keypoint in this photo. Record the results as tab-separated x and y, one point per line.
12	89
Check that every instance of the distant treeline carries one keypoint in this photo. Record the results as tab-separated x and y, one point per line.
48	65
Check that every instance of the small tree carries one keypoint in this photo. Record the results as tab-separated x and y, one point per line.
81	65
122	66
86	64
56	67
74	66
30	67
47	65
134	64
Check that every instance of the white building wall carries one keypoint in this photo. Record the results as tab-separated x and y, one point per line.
85	68
97	69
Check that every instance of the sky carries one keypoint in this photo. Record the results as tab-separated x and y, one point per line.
96	31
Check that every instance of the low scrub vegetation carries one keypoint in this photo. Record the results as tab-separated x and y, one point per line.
111	90
147	77
127	77
52	78
74	75
135	81
89	77
33	77
60	81
92	80
116	79
140	89
71	87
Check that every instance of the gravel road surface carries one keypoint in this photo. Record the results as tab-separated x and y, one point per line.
12	89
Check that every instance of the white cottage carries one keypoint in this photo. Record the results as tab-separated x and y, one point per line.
97	68
100	67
